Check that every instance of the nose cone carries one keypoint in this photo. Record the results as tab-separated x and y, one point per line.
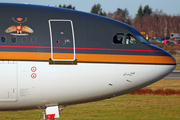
165	64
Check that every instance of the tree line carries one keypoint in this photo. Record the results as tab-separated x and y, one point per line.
153	23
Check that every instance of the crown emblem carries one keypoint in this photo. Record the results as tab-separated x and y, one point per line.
19	19
19	29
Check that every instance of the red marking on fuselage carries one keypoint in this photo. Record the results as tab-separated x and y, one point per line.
108	49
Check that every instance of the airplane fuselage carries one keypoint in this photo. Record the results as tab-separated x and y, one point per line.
52	56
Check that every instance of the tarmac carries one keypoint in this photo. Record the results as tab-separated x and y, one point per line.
174	75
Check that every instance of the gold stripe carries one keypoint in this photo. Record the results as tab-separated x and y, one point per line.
25	55
88	57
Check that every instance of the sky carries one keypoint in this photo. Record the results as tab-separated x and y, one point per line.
170	7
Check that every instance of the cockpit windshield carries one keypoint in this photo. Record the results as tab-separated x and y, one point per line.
121	38
142	39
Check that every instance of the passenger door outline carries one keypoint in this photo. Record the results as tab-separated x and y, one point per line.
51	39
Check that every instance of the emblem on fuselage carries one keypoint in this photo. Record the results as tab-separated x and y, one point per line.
19	30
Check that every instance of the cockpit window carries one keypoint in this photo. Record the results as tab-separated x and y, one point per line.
130	39
142	39
119	38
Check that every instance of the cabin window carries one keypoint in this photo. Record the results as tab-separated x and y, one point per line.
14	39
24	39
3	39
57	41
130	39
33	39
119	38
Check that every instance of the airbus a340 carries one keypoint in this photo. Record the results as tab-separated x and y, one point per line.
52	57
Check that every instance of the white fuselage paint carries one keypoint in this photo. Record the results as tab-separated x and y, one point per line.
31	85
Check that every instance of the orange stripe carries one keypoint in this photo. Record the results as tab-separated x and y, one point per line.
88	57
25	55
165	59
125	58
64	56
116	58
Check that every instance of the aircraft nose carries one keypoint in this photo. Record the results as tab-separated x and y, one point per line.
165	64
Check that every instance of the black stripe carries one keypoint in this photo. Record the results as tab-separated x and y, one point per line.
129	63
96	62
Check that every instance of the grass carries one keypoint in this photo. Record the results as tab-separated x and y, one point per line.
163	87
165	84
125	107
20	115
